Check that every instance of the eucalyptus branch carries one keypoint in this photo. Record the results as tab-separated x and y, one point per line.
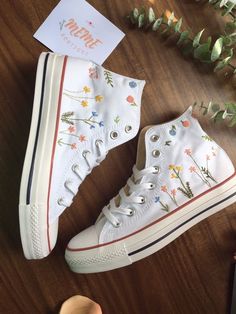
219	53
227	7
217	113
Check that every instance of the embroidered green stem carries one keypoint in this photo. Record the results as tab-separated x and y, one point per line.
201	172
186	190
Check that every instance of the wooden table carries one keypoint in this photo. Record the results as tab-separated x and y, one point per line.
191	275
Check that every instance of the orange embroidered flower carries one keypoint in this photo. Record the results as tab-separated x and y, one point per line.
86	89
173	192
164	188
98	98
130	99
73	146
71	129
173	176
188	151
84	103
192	169
82	138
171	167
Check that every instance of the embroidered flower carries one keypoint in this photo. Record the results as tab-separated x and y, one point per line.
179	168
171	167
82	138
94	114
172	131
164	188
73	146
101	123
131	100
98	98
188	151
86	89
92	127
157	199
173	176
84	103
132	84
185	123
93	74
71	129
173	192
192	169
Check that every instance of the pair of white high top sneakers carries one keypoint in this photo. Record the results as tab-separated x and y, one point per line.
81	111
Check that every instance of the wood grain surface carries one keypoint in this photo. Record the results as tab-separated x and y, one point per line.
191	275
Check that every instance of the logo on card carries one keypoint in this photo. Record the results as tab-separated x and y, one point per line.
76	36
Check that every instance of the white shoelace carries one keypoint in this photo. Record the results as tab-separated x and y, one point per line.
136	188
91	161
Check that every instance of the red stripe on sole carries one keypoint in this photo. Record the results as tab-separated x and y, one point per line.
54	145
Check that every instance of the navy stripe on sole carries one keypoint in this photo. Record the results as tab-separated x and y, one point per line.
37	132
179	226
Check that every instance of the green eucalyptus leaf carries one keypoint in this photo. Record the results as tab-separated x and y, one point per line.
231	108
135	13
178	25
141	19
221	64
197	38
223	2
183	36
157	24
171	18
151	15
202	53
217	49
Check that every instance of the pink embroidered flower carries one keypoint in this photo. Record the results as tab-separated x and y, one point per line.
173	192
130	99
71	129
188	151
93	73
164	188
192	169
73	146
82	138
208	157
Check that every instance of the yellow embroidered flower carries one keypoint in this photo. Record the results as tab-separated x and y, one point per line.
98	98
179	168
173	176
84	103
86	89
171	167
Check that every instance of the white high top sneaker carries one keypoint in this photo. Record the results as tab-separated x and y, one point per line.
81	111
181	177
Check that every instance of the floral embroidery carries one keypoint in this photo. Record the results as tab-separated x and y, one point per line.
70	132
131	100
172	131
185	123
93	74
132	84
164	207
207	138
202	172
171	194
82	99
108	78
70	118
117	119
72	146
185	187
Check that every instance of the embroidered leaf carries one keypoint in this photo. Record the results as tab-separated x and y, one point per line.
117	119
65	117
108	78
207	138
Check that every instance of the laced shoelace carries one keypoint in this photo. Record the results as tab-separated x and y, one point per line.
136	188
72	186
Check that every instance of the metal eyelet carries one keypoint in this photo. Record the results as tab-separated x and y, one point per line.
98	142
132	212
128	128
152	186
157	169
156	153
143	200
118	224
154	138
114	135
85	152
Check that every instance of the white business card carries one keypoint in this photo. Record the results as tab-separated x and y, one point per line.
77	29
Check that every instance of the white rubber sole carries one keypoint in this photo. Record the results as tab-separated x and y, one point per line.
37	239
154	237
